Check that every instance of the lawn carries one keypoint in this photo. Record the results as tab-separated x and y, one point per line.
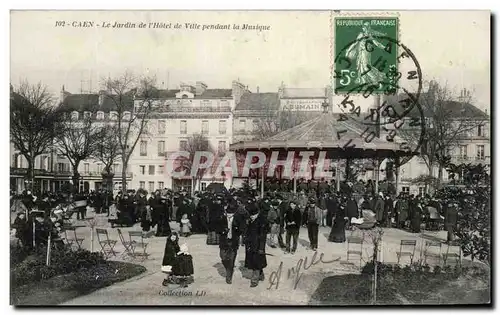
405	287
61	288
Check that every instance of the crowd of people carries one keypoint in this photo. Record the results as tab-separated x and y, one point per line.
242	217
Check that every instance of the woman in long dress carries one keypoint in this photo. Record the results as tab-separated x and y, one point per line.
337	234
360	53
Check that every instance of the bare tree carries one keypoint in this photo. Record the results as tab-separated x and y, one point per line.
77	140
273	122
33	121
108	152
197	143
444	129
135	95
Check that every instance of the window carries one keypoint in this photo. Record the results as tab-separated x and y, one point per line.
86	168
126	115
142	169
161	185
74	115
161	126
480	131
480	152
115	168
183	127
161	169
161	148
60	167
113	115
255	123
206	103
224	103
421	191
222	127
151	187
204	127
151	170
406	189
100	115
144	148
222	146
142	184
243	123
99	168
463	152
203	186
87	115
183	145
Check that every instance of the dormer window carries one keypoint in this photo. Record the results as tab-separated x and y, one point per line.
113	115
126	115
87	115
100	115
74	115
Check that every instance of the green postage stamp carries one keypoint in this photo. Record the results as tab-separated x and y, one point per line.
365	53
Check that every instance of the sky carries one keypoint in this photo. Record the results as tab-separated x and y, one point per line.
452	47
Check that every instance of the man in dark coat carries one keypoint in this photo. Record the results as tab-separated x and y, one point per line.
388	211
416	215
402	208
281	209
351	209
331	207
255	245
232	225
450	220
292	220
215	212
379	208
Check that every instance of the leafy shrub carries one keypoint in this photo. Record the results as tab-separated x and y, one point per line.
62	261
18	253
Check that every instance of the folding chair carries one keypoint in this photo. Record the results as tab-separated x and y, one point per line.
128	245
429	253
403	251
107	245
357	242
457	254
137	238
71	237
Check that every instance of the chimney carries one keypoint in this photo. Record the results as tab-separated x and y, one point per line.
257	89
201	87
238	91
102	93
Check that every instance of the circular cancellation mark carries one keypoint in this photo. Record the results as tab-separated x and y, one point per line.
398	114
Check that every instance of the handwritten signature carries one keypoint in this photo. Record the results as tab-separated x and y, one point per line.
295	272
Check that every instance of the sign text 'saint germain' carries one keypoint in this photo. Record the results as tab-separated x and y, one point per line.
312	105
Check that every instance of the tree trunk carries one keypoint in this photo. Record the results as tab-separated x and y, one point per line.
440	177
31	173
76	178
124	175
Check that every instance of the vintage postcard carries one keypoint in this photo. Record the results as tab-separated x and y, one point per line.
250	158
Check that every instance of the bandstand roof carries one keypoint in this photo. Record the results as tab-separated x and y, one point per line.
327	133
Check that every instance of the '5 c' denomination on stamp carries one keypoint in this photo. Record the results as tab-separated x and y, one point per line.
366	57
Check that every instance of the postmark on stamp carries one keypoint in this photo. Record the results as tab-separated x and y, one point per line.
363	54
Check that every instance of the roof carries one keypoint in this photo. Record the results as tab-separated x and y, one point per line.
90	102
208	93
258	101
304	93
327	132
454	109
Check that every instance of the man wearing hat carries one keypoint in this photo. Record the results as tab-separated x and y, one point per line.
281	208
255	245
232	225
292	220
313	220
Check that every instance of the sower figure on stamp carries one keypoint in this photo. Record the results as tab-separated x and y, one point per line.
255	245
232	225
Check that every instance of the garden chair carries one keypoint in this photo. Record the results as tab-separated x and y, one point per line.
128	245
72	238
428	252
107	245
137	238
355	247
407	248
453	250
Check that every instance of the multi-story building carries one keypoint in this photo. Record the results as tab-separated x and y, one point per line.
178	115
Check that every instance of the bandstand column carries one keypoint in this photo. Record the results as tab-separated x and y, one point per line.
262	181
337	175
377	173
396	171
